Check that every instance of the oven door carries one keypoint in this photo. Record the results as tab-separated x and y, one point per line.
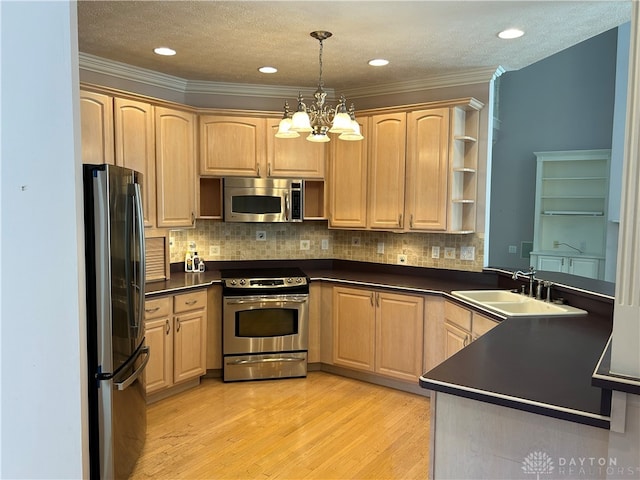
265	323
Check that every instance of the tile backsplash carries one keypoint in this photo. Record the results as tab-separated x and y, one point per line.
217	241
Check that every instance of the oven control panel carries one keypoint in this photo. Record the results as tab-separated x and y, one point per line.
262	283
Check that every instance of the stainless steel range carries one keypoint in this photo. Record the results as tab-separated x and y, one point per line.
265	323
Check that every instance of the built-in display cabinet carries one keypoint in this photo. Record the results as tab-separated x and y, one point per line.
570	226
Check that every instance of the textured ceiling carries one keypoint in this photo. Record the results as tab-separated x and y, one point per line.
222	41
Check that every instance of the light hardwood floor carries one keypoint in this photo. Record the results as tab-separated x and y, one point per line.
321	427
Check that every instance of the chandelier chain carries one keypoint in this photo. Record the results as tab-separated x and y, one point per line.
320	82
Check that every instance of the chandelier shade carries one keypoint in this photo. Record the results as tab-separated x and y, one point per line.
319	119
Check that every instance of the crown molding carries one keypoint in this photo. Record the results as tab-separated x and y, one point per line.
149	77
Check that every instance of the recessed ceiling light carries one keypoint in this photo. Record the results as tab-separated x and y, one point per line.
510	33
164	51
378	62
268	69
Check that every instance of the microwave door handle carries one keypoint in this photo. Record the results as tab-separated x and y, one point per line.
286	206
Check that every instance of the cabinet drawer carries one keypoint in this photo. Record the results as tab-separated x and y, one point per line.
190	301
457	315
157	307
482	324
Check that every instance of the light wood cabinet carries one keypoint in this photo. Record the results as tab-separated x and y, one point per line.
176	334
175	158
379	332
421	167
293	157
348	167
427	170
462	326
232	146
135	148
387	146
96	118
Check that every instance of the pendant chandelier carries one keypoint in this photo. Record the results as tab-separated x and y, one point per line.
319	119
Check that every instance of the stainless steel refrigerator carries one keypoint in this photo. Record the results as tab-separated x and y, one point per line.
114	245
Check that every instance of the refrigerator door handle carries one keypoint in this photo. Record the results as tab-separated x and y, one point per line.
139	215
132	378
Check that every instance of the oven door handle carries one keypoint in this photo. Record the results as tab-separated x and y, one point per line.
266	360
247	300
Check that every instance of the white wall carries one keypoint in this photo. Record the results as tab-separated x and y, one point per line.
42	314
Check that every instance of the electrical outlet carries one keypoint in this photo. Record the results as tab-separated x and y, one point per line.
402	259
380	247
214	250
261	235
449	252
355	241
468	253
305	244
435	252
556	244
513	249
324	244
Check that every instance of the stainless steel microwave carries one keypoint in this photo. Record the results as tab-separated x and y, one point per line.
262	200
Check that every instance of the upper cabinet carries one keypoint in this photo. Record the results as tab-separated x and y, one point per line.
293	157
427	169
175	169
232	146
135	148
96	117
421	166
387	146
570	227
348	165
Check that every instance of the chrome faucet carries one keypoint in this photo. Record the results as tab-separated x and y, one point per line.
531	274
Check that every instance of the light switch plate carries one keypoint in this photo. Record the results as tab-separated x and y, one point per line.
380	247
449	252
435	252
325	244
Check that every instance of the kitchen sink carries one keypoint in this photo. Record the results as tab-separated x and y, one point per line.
513	304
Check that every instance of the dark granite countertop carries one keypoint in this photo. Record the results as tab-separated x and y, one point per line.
539	365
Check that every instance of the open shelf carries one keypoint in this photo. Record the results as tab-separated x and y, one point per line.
210	198
314	200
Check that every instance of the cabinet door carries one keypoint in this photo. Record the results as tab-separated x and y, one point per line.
135	148
158	373
481	325
293	157
584	267
96	118
387	171
353	328
232	146
348	182
551	263
427	170
189	359
175	156
399	332
455	339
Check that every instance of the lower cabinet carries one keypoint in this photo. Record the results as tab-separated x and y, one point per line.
175	331
581	266
462	326
379	332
